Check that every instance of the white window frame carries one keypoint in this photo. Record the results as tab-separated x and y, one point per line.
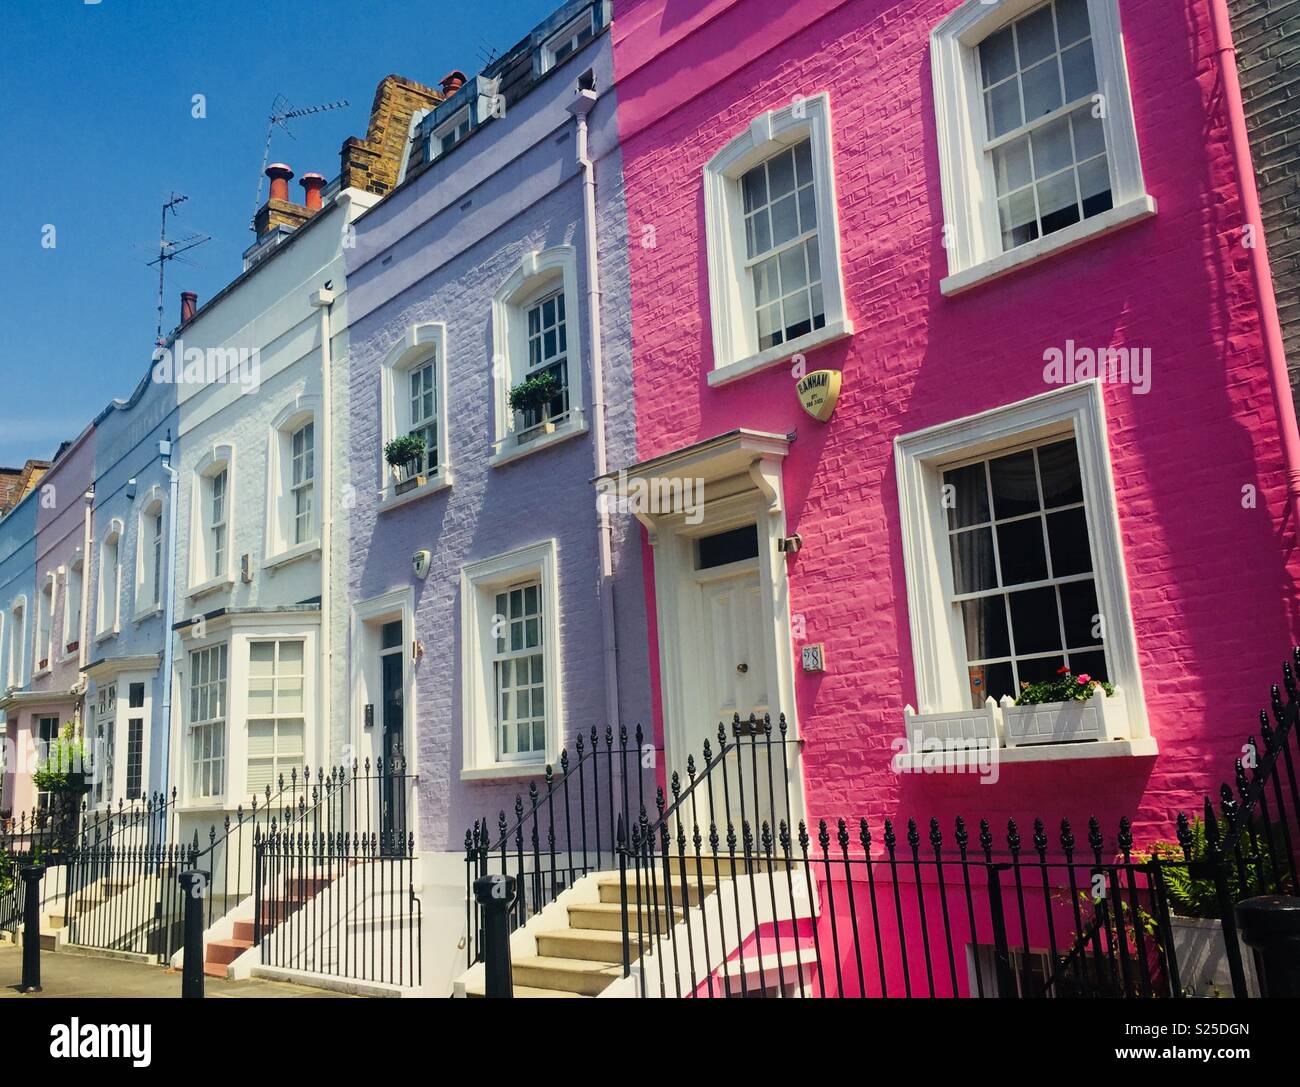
567	33
938	648
125	713
731	290
43	639
419	344
150	560
16	665
450	126
108	605
105	782
280	545
72	584
204	577
538	274
193	726
275	717
479	582
973	238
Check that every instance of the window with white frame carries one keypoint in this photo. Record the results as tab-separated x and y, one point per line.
110	579
1012	553
448	134
104	734
566	41
135	721
303	476
511	661
207	725
72	606
47	734
149	555
17	638
276	681
1035	127
210	532
535	338
414	395
217	499
772	233
44	648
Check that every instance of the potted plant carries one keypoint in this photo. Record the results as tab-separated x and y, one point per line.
1066	709
405	455
63	775
1199	947
535	394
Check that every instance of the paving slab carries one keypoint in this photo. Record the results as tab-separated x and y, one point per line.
68	974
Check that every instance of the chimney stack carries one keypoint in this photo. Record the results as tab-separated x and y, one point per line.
189	303
452	82
279	174
312	185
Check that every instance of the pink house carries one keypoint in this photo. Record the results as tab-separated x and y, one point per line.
1014	235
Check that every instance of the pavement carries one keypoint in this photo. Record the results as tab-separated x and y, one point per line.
69	974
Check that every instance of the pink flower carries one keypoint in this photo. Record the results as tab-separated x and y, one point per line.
1085	678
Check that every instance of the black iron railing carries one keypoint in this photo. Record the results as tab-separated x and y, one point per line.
334	883
562	831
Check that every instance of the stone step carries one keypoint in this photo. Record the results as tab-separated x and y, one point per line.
224	952
656	892
590	945
579	976
609	916
243	931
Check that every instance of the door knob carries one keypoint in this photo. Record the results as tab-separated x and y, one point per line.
742	668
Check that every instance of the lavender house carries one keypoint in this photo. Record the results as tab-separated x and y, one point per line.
492	617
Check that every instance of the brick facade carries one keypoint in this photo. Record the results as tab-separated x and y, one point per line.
373	164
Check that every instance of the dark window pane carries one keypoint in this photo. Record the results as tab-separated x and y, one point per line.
1015	488
725	547
391	635
986	628
1079	610
1034	622
1068	533
1039	669
968	498
1020	550
1091	664
972	561
135	695
990	681
1059	466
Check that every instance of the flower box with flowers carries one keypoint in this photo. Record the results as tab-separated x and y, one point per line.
1068	709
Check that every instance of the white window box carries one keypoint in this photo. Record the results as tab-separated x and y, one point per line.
1100	718
983	725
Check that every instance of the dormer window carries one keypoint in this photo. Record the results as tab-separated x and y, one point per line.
568	39
448	134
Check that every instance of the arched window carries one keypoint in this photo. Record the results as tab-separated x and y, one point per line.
414	403
150	567
108	607
293	519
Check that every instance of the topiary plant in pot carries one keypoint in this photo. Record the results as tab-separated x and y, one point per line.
535	395
405	455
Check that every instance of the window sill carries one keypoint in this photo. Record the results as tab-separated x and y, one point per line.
516	452
41	673
148	613
308	549
212	585
1145	747
389	499
1041	248
105	635
733	371
500	771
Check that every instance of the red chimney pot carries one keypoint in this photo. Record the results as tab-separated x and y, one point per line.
279	174
189	303
312	185
452	82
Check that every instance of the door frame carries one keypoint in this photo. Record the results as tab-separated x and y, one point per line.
368	618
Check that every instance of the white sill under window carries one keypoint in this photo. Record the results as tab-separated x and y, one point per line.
1143	207
41	673
147	613
389	499
212	585
110	632
306	549
512	450
1143	747
829	333
492	771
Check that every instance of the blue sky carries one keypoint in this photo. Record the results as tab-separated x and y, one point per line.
97	128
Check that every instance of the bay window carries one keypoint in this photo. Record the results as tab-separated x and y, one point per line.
276	738
207	721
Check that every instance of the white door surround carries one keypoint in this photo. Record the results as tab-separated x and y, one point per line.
720	484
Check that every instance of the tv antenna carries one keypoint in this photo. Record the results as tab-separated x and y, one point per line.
168	250
281	114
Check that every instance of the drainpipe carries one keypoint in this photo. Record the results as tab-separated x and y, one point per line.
580	106
1260	273
322	300
169	606
87	535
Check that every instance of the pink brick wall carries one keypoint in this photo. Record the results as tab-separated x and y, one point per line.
1212	584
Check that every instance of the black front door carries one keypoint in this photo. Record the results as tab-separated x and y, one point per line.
393	783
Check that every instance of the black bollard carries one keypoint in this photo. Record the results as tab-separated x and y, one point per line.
1270	926
32	929
193	887
495	895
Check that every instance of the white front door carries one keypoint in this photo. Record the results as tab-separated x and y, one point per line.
734	635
